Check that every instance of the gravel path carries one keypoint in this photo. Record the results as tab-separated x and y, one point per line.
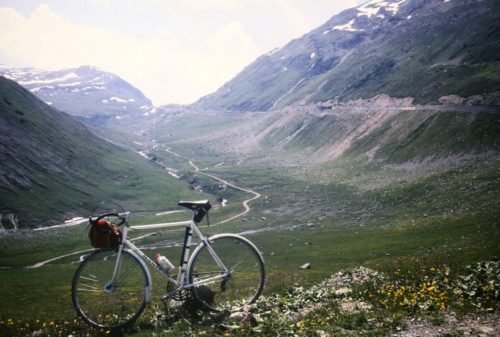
245	203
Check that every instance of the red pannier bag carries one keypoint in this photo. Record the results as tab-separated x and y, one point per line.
104	234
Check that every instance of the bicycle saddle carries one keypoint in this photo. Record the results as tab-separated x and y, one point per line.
200	208
196	205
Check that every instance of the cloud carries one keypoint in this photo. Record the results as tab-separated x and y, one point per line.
301	19
102	3
296	20
168	69
48	40
174	51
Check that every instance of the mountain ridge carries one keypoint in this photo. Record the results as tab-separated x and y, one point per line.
445	47
86	91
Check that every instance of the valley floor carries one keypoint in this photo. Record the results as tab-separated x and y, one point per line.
405	214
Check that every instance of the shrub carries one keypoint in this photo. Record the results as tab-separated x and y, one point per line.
480	286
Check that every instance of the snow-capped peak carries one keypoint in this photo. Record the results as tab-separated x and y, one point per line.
85	90
373	7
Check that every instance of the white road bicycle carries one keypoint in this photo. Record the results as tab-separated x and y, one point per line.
111	287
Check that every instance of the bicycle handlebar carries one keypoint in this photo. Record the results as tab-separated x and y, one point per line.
123	217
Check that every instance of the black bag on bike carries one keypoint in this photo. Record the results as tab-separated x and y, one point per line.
104	234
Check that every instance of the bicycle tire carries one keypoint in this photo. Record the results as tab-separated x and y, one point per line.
107	306
245	283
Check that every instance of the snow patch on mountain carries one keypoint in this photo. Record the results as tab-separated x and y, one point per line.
37	79
92	88
73	84
117	99
373	7
347	27
41	88
151	110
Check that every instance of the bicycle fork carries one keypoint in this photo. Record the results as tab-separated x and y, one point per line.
111	284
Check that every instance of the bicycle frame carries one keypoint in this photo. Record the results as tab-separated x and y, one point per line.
182	281
113	285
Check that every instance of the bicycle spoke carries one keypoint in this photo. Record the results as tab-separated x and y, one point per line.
89	279
90	290
88	286
219	289
103	303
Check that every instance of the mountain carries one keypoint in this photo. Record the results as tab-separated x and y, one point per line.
425	49
389	82
53	166
86	91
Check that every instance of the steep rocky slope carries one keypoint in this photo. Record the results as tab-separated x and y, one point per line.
425	49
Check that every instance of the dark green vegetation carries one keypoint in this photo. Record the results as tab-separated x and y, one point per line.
427	50
52	164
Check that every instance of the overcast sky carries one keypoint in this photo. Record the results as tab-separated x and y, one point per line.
175	51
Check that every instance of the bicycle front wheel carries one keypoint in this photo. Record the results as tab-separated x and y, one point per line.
106	303
228	274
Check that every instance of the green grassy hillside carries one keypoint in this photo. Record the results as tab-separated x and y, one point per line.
53	167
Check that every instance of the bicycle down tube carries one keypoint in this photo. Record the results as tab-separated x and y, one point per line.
181	281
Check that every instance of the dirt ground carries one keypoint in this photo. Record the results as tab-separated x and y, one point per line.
477	326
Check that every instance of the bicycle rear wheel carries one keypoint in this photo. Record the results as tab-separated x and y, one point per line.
106	304
219	290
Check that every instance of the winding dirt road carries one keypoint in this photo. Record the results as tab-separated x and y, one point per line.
245	204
